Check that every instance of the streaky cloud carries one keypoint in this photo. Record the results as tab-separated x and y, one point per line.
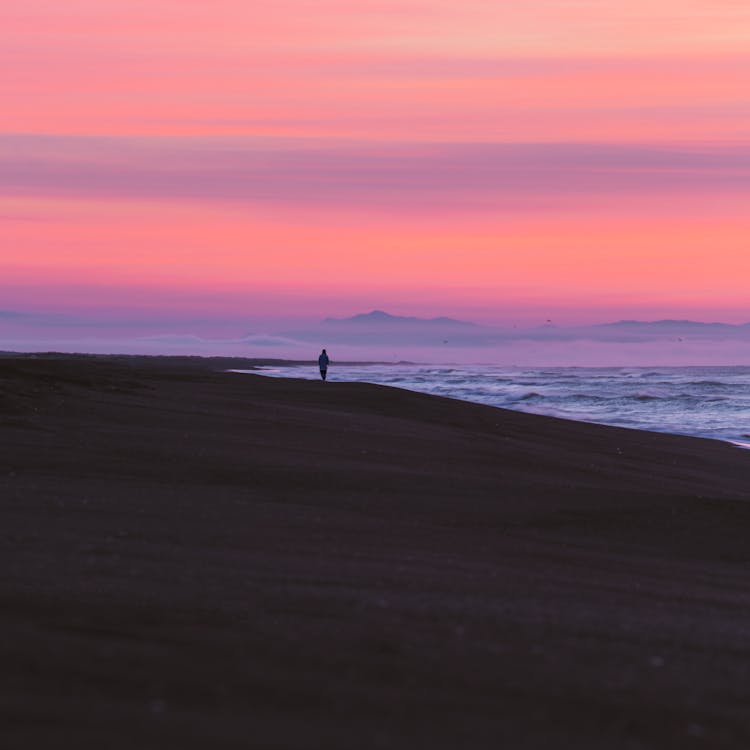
187	339
339	173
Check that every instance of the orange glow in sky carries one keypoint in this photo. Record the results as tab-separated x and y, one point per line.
503	161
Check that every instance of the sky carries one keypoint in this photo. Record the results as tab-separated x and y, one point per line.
225	168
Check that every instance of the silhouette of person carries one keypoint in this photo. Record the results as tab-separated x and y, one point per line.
323	364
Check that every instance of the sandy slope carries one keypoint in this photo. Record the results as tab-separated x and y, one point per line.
203	559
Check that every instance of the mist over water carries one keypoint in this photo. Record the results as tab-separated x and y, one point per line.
712	402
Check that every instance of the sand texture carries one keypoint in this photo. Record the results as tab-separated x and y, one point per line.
200	559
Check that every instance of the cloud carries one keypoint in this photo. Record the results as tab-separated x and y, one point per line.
186	339
626	333
342	173
20	317
274	341
178	339
626	343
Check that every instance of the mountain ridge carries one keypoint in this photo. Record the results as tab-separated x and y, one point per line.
380	317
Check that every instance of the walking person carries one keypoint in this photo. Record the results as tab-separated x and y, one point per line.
323	364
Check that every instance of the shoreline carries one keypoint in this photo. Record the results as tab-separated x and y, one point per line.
193	558
186	359
272	370
253	364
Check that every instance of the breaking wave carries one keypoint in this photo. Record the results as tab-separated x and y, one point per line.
702	401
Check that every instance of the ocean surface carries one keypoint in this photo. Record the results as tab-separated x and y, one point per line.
712	402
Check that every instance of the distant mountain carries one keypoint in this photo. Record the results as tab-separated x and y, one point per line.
378	317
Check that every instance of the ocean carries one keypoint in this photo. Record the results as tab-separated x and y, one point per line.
710	402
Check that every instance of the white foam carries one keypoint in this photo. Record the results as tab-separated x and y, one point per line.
683	401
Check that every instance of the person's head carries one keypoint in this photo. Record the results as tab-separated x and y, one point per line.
324	351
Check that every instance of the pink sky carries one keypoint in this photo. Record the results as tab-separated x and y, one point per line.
506	162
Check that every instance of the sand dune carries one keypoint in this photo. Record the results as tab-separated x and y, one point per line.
194	558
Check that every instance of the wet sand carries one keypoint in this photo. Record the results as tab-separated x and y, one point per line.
193	558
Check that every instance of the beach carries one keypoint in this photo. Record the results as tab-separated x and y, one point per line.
200	558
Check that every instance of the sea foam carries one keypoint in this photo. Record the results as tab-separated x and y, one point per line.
712	402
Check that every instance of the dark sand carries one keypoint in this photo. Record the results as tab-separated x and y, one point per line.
203	559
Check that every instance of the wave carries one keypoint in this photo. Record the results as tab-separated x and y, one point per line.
706	402
618	398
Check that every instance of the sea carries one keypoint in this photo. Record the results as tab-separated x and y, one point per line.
709	402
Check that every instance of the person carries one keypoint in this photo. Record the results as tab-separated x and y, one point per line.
323	364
